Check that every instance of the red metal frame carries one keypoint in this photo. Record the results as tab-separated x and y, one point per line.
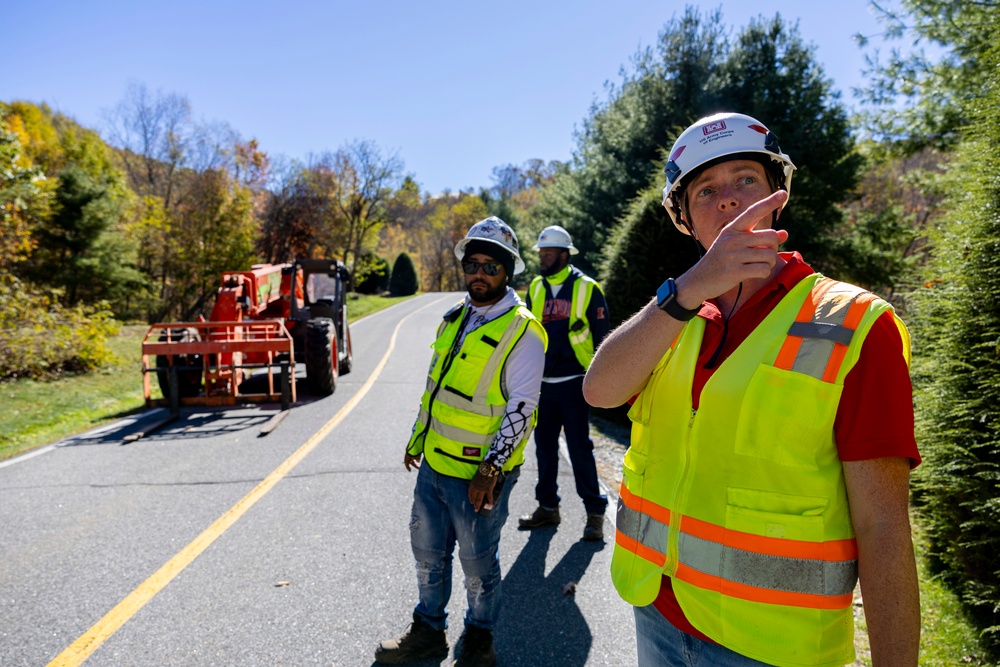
227	349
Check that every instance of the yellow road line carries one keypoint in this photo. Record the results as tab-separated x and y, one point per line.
92	639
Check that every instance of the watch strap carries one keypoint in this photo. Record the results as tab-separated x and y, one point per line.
668	302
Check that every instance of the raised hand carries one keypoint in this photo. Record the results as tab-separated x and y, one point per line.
739	252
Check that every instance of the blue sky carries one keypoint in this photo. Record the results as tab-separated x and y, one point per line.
456	88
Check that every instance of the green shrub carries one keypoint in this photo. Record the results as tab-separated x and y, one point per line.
956	320
375	277
39	338
404	277
644	250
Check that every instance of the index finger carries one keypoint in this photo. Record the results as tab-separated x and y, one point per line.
748	219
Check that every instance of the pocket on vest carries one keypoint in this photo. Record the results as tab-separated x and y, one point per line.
786	417
779	515
465	373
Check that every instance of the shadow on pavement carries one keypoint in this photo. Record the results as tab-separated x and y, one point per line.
193	423
540	623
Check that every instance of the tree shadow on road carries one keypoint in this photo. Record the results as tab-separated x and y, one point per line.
540	622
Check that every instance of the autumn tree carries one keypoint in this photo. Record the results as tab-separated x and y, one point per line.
366	176
201	194
291	224
74	338
25	198
81	246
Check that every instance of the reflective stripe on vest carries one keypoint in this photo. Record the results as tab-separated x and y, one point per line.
581	337
477	403
818	339
454	432
818	575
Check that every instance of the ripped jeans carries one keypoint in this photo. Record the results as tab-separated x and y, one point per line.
442	515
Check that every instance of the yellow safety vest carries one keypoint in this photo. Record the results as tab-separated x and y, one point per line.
580	337
742	502
464	402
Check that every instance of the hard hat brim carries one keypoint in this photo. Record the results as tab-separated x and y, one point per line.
572	248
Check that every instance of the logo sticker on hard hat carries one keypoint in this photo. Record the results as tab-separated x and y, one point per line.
490	229
712	128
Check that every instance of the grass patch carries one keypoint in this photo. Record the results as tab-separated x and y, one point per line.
359	305
946	637
35	412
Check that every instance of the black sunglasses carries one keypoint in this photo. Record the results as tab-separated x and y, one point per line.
489	268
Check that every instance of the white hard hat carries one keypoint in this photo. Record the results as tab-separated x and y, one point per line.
495	231
710	140
555	237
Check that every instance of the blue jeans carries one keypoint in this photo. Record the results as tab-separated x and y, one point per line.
659	643
442	515
561	406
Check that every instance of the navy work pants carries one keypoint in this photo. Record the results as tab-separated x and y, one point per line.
561	408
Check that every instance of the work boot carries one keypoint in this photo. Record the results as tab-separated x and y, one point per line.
419	641
477	649
542	516
594	530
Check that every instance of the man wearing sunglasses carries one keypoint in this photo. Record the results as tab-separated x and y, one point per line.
574	313
475	418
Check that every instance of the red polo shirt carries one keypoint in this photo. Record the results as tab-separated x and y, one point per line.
875	415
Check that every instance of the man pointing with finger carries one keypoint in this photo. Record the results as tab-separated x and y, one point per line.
772	435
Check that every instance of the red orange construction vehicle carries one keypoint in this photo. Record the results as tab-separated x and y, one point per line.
265	319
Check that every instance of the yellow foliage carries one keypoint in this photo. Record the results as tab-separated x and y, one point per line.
37	135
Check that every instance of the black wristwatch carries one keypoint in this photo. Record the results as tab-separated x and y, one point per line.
666	299
488	469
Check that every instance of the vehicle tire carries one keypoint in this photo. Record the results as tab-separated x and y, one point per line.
189	381
348	360
321	356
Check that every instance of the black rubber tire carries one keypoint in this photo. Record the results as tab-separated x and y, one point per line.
188	382
348	361
321	356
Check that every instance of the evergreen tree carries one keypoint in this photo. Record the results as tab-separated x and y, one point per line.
404	277
766	72
956	320
643	248
623	139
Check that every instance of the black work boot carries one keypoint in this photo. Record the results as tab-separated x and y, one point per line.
542	516
419	641
477	648
594	530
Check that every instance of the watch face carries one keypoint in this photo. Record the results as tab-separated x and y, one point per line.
665	292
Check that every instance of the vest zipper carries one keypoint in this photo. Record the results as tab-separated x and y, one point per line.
674	531
452	353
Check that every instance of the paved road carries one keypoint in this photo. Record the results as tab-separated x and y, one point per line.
208	545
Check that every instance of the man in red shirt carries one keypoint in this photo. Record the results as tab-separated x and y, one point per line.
727	183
